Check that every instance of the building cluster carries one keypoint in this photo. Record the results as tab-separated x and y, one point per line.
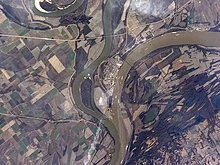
108	72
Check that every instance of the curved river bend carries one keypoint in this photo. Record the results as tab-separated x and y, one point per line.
208	39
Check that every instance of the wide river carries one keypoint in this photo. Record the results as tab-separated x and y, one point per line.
208	39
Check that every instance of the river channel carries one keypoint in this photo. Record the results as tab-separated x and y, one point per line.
209	39
90	70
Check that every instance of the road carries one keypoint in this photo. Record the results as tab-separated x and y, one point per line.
58	39
43	119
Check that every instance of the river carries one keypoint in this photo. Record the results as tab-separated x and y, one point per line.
90	70
58	13
208	39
